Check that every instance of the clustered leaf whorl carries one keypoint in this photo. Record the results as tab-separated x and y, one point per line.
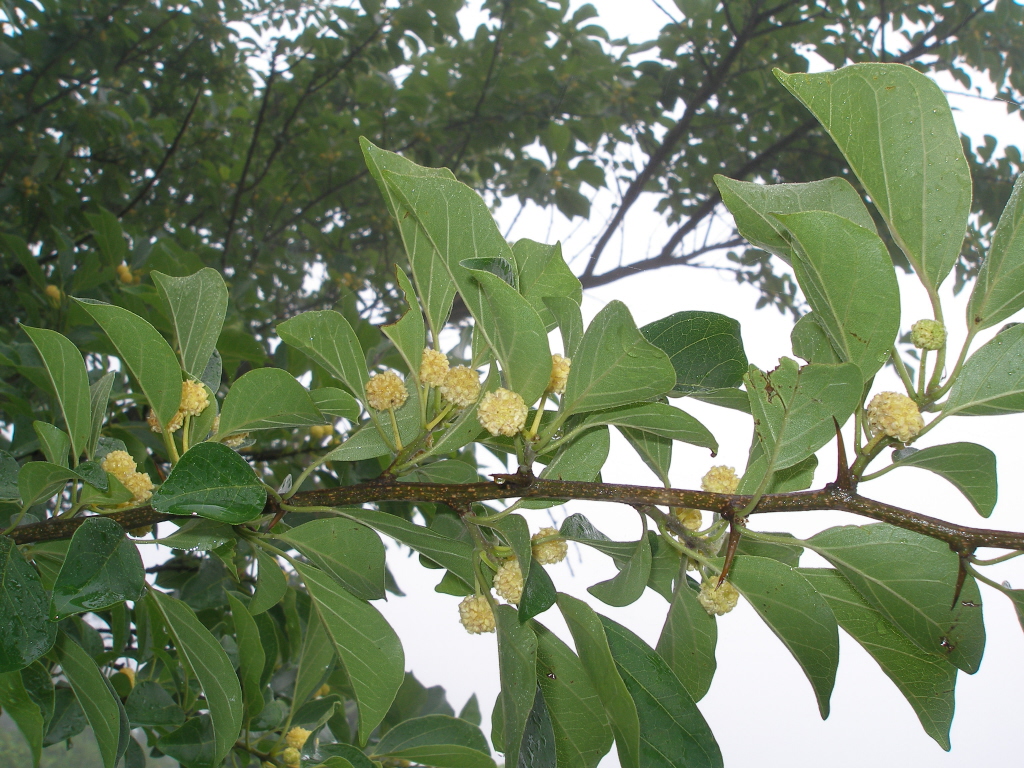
716	600
461	386
928	334
476	615
549	552
508	581
896	415
386	390
502	412
720	479
559	374
433	367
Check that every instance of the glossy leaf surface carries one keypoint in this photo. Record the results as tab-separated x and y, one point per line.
198	304
706	349
267	398
102	568
27	632
212	481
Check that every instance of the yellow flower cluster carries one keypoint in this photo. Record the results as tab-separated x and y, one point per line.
291	757
928	334
720	479
461	386
896	415
559	374
476	615
502	412
691	519
129	673
194	400
549	552
236	440
716	600
433	367
508	581
125	274
320	431
54	294
122	466
297	737
385	391
323	690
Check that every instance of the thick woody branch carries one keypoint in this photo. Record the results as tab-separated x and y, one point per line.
458	496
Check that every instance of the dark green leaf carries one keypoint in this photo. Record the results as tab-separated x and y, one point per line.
538	745
654	450
54	442
348	551
251	657
688	639
99	400
705	348
409	334
26	632
149	704
517	665
992	380
628	584
570	322
198	304
538	593
543	274
204	535
26	713
436	740
315	662
267	398
66	371
9	469
999	290
270	584
337	403
579	457
212	481
810	342
326	337
68	718
657	419
194	744
968	466
109	236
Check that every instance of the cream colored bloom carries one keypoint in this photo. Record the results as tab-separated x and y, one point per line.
154	423
508	581
291	757
502	412
691	519
386	390
140	485
716	600
120	464
461	386
433	367
928	334
720	479
297	737
559	373
476	615
235	441
896	415
549	552
194	398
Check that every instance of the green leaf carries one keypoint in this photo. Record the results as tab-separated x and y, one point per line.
688	639
926	681
811	343
894	126
538	593
102	708
315	663
270	584
9	469
148	356
434	285
327	338
672	730
212	481
54	442
365	643
66	371
794	407
251	657
999	288
348	551
657	419
198	304
538	746
102	568
798	616
582	734
26	633
517	666
204	656
204	535
578	458
194	744
409	334
40	480
543	274
516	532
588	634
849	280
968	466
149	704
734	399
615	365
655	451
911	579
992	380
109	237
705	348
267	398
26	713
752	206
17	247
99	401
332	401
569	318
436	740
628	584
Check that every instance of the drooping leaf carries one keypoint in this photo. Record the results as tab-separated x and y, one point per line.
654	450
251	657
538	745
517	666
26	633
148	356
705	348
212	481
326	337
569	318
657	419
267	398
849	280
102	568
538	593
999	288
968	466
26	713
910	579
198	304
204	656
688	639
992	380
366	644
628	584
348	551
436	740
798	616
204	535
270	584
926	681
894	126
66	371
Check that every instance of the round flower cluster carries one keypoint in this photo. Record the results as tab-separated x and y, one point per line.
320	431
461	386
124	274
691	519
549	552
122	466
716	600
508	581
433	367
297	737
502	412
896	415
194	400
928	334
559	373
323	690
476	615
236	441
385	391
720	479
291	757
54	294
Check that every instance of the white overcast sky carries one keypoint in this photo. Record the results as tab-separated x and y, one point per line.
760	706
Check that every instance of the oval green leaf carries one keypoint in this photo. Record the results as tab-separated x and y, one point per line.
992	380
212	481
198	304
349	551
66	371
26	632
968	466
267	398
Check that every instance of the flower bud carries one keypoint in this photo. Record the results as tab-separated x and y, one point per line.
896	415
291	757
140	485
549	552
508	581
385	391
476	615
297	737
120	464
502	412
928	334
124	274
433	367
461	386
559	374
718	600
720	479
54	294
691	519
194	399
